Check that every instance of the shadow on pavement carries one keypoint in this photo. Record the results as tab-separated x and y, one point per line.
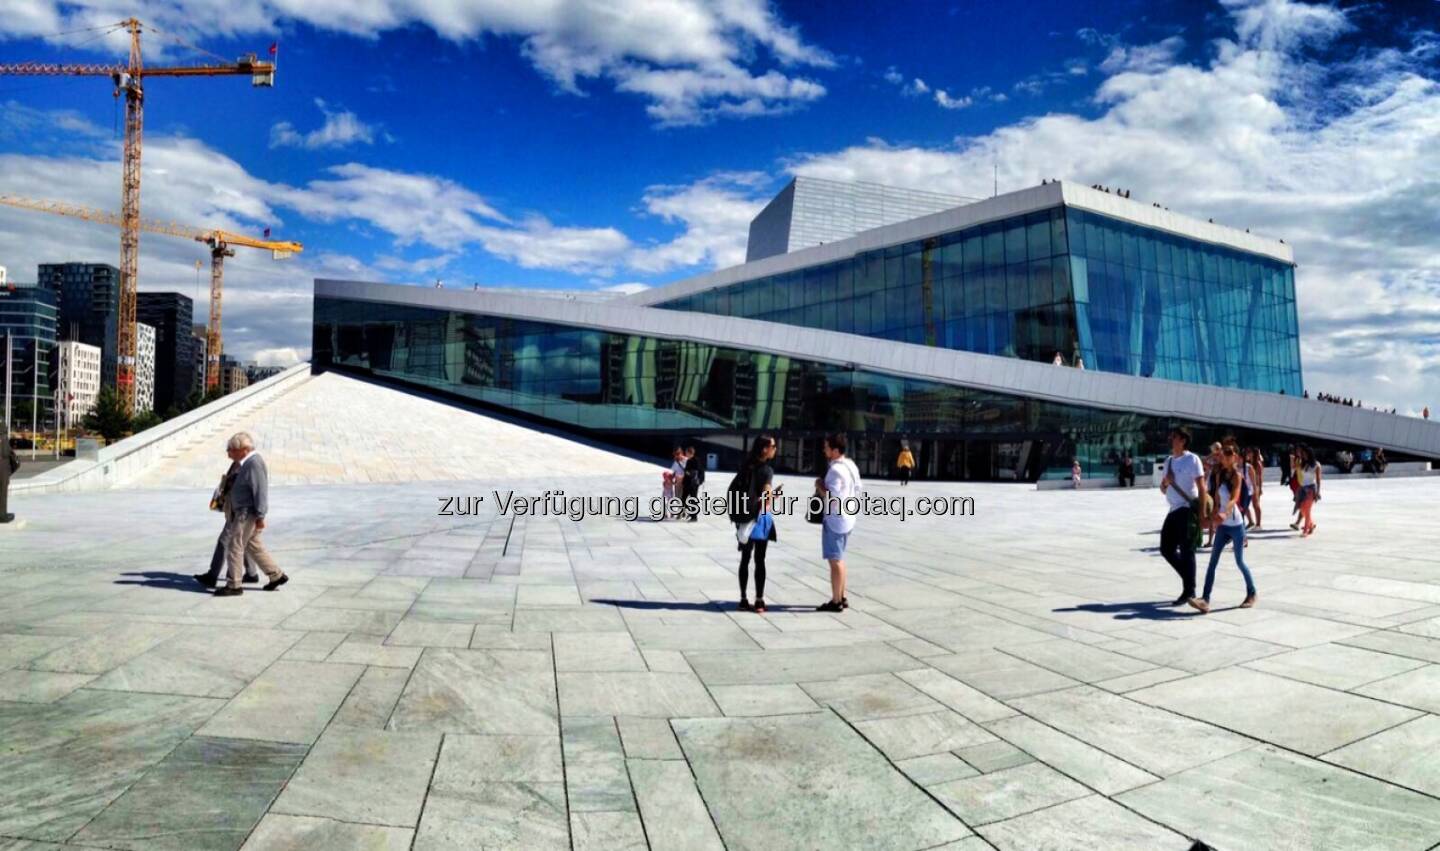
667	605
1156	611
159	579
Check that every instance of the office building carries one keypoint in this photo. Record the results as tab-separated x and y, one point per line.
28	317
940	331
88	297
144	368
77	384
200	349
232	375
171	315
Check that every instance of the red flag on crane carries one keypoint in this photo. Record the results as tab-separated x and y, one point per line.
274	47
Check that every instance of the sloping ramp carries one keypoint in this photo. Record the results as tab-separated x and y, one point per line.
334	428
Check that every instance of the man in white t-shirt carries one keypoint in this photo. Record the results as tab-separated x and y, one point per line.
840	483
1184	489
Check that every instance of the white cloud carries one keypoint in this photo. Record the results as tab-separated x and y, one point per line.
705	58
947	101
341	128
1143	58
915	88
715	213
285	356
1342	161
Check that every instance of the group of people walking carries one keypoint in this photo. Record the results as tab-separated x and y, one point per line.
243	495
1219	498
752	498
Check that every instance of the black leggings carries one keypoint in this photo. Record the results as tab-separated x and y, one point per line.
759	548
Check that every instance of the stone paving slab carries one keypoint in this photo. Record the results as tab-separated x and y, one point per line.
205	796
803	782
1296	715
1289	802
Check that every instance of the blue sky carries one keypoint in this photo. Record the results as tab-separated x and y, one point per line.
594	145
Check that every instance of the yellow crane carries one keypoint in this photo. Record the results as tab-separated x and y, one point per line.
221	243
128	78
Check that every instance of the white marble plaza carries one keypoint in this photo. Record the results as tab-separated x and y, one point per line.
1010	680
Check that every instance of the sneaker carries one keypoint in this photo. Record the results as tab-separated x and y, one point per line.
1295	526
229	591
276	583
1200	604
204	579
830	606
759	606
1181	600
1249	602
744	605
251	580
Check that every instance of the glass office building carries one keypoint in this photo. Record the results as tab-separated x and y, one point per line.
1120	296
1152	303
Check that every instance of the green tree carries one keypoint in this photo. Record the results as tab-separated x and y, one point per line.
147	419
108	418
20	414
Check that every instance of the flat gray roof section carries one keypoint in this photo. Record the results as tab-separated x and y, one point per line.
1088	388
991	209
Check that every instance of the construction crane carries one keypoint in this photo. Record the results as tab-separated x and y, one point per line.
129	78
221	243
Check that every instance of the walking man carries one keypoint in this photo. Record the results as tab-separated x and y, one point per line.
1184	489
222	543
245	508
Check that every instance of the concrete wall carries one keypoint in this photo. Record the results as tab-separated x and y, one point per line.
124	460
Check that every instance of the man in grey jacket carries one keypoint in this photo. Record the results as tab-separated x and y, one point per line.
245	508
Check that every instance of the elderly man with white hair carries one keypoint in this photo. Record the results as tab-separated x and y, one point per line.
245	509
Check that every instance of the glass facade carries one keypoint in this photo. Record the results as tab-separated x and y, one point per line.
1123	297
648	392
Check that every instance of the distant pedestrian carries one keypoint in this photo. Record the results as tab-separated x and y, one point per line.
690	490
837	487
1184	490
755	529
672	481
1309	494
1231	525
1075	473
9	464
1255	463
245	510
905	464
1058	360
1126	471
222	544
1079	362
1426	412
1211	464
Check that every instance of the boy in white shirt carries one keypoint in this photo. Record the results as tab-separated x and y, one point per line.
841	482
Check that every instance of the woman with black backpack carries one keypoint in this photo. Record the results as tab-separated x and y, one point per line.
754	521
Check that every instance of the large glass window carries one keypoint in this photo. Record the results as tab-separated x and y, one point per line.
1138	301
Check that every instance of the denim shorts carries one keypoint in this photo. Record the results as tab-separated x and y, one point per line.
832	544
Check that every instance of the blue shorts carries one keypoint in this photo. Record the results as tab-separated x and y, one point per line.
832	544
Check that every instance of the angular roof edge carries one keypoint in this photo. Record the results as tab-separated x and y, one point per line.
1010	204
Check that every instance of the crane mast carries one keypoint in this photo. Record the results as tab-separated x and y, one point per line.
129	81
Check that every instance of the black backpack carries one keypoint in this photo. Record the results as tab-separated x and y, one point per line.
737	497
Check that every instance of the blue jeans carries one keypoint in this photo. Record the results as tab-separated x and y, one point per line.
1234	535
